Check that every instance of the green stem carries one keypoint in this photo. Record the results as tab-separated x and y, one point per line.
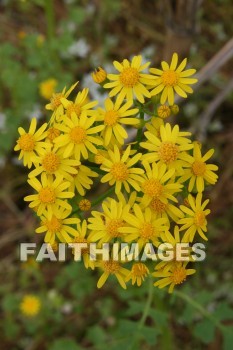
200	308
144	315
50	19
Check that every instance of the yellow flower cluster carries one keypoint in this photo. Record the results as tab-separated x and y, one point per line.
153	183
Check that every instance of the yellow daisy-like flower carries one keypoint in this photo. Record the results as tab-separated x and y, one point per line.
157	184
47	88
114	115
177	275
80	106
57	226
120	172
82	236
198	171
165	210
30	143
105	225
82	180
170	150
30	305
172	239
172	78
137	274
130	82
50	194
99	75
55	104
196	218
112	267
78	139
53	163
142	227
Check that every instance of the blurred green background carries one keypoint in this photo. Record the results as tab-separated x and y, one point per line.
65	41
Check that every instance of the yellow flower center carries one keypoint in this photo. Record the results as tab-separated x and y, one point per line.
47	195
111	266
26	143
198	168
199	218
50	162
139	270
179	275
112	227
82	240
168	152
129	77
78	134
147	231
53	133
111	118
120	171
84	205
73	108
170	78
56	100
54	225
152	188
157	205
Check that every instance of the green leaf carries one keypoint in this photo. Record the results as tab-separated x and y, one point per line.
64	343
150	335
228	338
204	331
224	312
96	335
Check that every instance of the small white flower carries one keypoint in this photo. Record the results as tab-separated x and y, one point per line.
80	48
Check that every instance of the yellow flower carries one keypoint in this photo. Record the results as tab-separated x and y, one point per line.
163	111
130	82
57	226
82	180
154	126
157	186
99	75
142	227
172	239
52	133
196	218
84	205
198	171
120	171
55	104
81	106
112	267
105	225
137	274
170	150
50	194
82	236
113	117
77	139
47	88
53	163
165	210
30	305
30	143
172	78
176	275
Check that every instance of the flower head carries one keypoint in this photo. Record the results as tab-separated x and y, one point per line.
99	75
195	220
130	82
47	88
119	170
197	171
138	273
172	78
30	305
114	117
30	143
